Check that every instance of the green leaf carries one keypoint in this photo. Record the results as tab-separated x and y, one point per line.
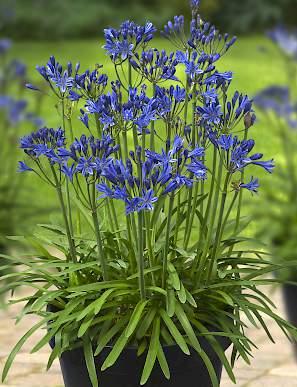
182	296
56	229
210	369
116	351
152	352
185	323
106	337
146	323
170	302
163	362
135	318
96	305
180	341
90	362
190	299
216	347
175	281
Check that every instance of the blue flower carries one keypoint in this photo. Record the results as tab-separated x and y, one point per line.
68	171
84	118
267	165
219	79
132	205
240	157
91	83
73	96
252	186
31	87
177	182
194	3
225	141
106	191
198	169
24	167
147	201
211	114
86	166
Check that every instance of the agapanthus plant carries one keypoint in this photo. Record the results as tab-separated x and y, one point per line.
151	199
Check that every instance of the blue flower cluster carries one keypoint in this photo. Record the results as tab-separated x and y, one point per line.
60	80
237	153
155	66
161	174
122	43
285	39
16	111
112	112
43	142
277	99
203	37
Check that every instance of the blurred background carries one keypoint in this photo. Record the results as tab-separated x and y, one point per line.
72	30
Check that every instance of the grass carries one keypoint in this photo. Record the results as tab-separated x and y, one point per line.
254	61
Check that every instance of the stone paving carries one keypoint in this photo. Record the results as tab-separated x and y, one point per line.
273	364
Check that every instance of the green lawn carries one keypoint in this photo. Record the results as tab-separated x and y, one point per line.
255	62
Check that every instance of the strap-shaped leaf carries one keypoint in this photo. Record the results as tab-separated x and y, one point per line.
116	351
96	305
152	352
216	347
163	362
146	323
182	296
135	318
173	275
170	302
185	323
105	338
175	333
90	362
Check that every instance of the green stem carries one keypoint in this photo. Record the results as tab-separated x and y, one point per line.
98	236
208	207
152	134
166	248
71	243
141	256
201	265
179	192
149	244
238	215
190	194
235	196
219	227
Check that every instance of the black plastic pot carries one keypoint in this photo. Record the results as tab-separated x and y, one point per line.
126	372
290	298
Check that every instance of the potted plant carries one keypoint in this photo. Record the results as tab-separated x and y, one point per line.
279	108
147	281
